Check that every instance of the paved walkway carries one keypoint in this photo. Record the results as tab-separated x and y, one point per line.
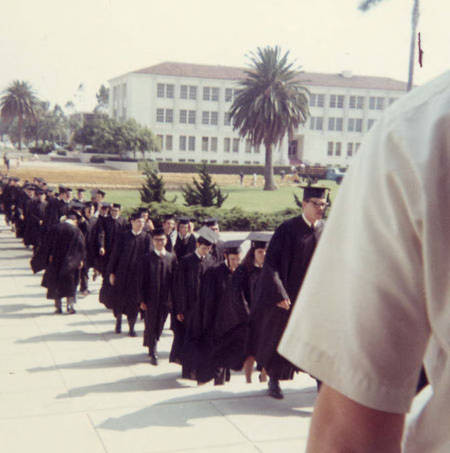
69	384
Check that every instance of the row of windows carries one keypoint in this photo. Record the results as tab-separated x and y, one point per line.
188	143
167	90
337	124
354	102
190	117
211	161
335	148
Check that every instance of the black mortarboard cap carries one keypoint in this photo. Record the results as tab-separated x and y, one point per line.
39	192
61	189
158	232
142	209
183	220
211	221
88	204
74	213
168	217
50	189
101	192
208	235
80	189
116	205
259	240
105	204
77	205
313	192
136	215
233	247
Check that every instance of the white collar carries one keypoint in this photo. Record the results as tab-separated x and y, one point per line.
138	233
308	222
161	253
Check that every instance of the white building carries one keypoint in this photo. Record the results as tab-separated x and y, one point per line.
186	105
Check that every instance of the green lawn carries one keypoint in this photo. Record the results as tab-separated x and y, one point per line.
247	198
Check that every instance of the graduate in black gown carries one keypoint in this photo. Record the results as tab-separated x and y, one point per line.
246	277
185	242
125	272
217	249
285	266
157	284
186	294
66	255
35	218
87	227
223	320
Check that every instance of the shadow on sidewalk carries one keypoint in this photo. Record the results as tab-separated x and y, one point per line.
19	307
25	296
173	412
167	381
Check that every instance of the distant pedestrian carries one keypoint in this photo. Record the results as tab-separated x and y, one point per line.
6	161
241	178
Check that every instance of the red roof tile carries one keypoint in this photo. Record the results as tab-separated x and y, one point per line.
307	78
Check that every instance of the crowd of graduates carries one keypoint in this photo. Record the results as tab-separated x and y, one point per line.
221	307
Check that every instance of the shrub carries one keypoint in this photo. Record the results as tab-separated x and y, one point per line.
153	188
97	160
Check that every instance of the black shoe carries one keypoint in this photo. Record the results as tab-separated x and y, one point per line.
132	333
71	311
274	390
58	311
154	359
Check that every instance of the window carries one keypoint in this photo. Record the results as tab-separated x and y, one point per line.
160	90
124	92
333	101
352	102
316	123
183	116
235	145
330	149
205	117
214	144
215	118
206	93
205	141
351	124
358	125
183	91
372	102
321	100
331	124
182	142
191	117
380	103
312	100
228	94
226	145
248	146
169	116
169	142
215	94
191	143
227	119
349	149
160	141
160	115
338	147
370	124
360	103
192	92
340	102
170	90
181	160
339	123
257	150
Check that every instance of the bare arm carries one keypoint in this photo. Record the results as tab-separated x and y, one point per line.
340	425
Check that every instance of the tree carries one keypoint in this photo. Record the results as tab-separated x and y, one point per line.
153	188
204	192
102	99
18	101
271	103
365	5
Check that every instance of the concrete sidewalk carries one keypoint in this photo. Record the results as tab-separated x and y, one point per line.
69	384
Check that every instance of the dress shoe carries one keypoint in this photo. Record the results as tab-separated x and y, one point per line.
132	333
154	359
71	311
274	390
58	311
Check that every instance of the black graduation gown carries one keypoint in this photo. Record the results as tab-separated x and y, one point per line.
285	266
246	280
224	324
67	249
184	246
109	230
156	290
34	219
126	265
186	294
217	251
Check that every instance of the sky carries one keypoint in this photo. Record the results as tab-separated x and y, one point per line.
56	45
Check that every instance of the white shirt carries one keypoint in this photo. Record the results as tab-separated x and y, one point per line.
161	253
377	293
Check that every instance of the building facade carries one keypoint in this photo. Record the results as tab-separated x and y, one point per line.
186	106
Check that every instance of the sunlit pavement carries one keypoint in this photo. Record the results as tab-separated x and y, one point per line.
68	383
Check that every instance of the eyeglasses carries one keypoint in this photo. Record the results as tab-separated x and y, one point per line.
319	204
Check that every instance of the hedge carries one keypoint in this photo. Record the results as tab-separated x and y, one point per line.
234	219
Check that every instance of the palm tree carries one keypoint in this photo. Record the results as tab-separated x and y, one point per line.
271	103
18	101
366	4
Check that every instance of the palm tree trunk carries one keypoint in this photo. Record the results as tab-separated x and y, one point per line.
269	183
414	21
19	129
